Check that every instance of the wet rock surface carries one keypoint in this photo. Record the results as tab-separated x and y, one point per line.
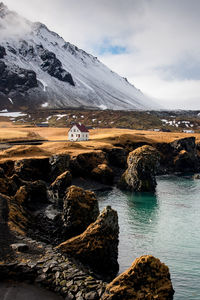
80	209
44	265
147	278
97	246
140	174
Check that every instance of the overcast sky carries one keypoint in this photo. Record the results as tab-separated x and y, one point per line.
154	43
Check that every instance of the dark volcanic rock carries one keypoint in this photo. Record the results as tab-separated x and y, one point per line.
97	246
140	174
59	164
185	152
103	173
147	278
32	195
33	169
4	211
2	52
80	209
117	157
53	67
84	163
18	80
61	183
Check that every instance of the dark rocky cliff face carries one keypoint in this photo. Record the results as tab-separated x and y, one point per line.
53	67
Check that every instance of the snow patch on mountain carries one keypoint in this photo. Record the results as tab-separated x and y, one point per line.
66	75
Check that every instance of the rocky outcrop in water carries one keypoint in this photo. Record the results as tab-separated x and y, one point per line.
80	209
147	278
185	155
97	246
103	173
140	174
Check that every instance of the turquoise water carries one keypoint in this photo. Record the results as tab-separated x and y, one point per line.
166	225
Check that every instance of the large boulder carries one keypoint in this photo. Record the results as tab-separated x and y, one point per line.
60	184
140	174
103	173
147	278
97	246
185	155
80	209
33	169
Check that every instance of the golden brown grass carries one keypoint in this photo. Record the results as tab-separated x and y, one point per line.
99	138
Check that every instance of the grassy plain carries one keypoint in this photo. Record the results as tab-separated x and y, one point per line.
56	140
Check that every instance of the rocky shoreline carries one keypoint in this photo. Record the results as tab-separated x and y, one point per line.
52	232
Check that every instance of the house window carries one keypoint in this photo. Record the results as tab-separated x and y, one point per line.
71	135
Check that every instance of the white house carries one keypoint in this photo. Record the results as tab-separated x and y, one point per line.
78	132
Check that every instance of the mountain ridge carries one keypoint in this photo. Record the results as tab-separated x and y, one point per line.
40	69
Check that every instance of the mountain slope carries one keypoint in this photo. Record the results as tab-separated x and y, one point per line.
39	69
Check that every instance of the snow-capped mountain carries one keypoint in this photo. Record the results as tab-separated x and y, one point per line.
39	69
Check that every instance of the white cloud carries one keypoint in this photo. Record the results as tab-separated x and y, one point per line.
157	35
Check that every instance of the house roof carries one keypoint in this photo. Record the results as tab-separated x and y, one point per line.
81	127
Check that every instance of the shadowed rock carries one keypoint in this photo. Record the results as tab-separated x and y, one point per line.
33	169
147	278
140	174
80	209
59	164
32	195
97	246
59	186
103	173
185	155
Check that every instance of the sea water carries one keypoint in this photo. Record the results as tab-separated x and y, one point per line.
166	225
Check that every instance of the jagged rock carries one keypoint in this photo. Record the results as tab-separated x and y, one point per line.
103	173
33	169
97	246
185	155
2	52
53	67
80	209
147	278
84	163
32	195
4	210
61	183
7	186
20	247
59	164
140	174
117	157
20	80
